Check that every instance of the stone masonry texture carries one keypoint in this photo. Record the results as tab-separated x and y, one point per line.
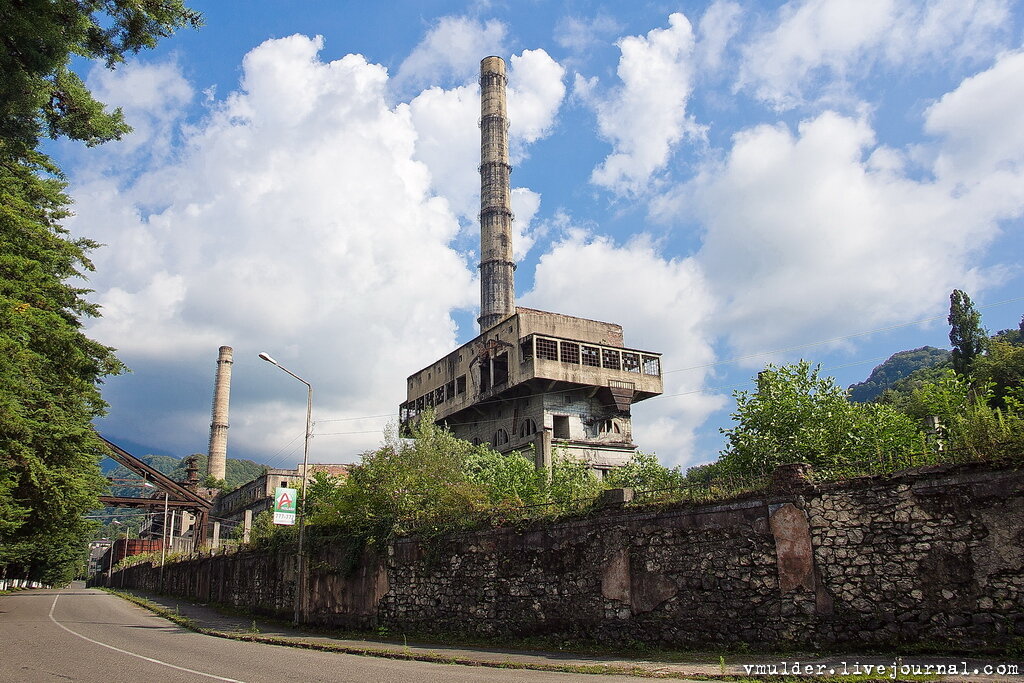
934	555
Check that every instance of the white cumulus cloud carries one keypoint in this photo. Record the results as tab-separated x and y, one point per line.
818	47
295	220
825	232
645	116
451	52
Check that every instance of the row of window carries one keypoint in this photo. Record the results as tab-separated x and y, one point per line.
575	353
560	430
433	398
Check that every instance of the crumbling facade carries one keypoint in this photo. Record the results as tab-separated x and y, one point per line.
531	378
257	495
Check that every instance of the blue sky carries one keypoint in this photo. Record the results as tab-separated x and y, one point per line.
735	183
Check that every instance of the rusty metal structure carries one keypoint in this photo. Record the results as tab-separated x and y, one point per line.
531	380
178	496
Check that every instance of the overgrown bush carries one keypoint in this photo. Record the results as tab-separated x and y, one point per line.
435	483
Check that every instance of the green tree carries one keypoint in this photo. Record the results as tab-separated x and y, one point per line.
795	415
965	332
40	94
643	472
49	370
1002	366
406	485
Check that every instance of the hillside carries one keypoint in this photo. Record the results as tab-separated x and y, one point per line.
238	471
898	367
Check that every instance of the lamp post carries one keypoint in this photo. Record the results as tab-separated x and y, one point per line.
301	583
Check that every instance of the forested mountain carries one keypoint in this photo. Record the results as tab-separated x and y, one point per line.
238	471
898	367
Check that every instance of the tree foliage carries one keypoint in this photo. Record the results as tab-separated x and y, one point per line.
435	482
643	472
796	415
49	369
49	372
40	94
965	332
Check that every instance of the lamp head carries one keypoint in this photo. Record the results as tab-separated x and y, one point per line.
266	356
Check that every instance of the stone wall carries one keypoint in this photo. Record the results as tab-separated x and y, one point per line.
934	555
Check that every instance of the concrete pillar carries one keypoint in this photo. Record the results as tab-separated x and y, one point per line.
216	464
246	525
497	269
542	450
215	543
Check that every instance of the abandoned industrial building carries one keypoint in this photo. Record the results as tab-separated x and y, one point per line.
531	378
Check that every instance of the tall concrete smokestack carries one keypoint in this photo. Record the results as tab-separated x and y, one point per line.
216	464
497	279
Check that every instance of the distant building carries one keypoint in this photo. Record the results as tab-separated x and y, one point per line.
258	494
531	378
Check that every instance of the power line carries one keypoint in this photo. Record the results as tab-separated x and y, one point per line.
370	431
348	419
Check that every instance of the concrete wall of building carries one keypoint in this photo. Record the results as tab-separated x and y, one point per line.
934	556
532	321
595	433
255	495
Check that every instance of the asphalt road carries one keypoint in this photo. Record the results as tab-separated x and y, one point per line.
81	634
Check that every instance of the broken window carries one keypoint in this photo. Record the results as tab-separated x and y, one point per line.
420	405
485	376
449	390
570	353
652	365
526	349
439	396
528	428
547	349
630	362
591	356
561	426
500	438
428	400
460	385
500	369
610	359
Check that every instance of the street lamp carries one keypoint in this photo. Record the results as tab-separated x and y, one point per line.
300	588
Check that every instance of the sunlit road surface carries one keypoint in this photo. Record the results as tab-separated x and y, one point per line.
83	634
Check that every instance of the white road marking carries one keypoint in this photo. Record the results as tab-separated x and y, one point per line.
126	652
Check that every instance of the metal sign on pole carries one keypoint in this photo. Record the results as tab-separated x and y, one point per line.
284	505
